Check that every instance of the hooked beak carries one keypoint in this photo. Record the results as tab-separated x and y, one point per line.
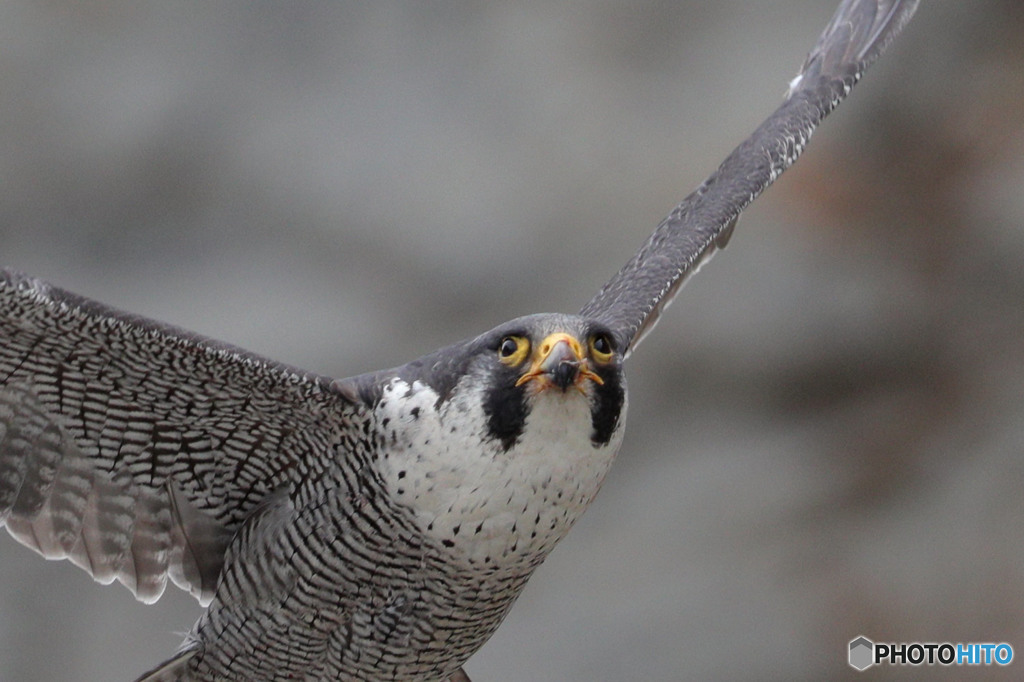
559	361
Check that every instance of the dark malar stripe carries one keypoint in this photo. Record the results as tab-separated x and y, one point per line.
605	413
505	408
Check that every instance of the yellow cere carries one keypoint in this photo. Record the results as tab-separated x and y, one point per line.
548	343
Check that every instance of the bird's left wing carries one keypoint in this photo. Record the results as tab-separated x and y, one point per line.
629	304
136	449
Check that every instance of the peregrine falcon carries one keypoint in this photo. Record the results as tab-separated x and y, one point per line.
378	527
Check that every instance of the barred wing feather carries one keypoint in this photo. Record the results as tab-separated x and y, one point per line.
135	449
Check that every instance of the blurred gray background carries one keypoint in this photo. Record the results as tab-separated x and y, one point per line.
826	435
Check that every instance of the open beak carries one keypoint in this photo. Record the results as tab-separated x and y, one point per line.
558	362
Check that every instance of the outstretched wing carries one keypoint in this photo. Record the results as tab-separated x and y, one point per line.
629	304
136	449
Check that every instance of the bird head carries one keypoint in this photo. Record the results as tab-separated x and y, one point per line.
546	361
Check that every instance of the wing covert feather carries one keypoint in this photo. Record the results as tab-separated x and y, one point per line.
632	300
136	449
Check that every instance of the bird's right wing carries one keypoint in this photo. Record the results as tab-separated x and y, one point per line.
136	449
629	304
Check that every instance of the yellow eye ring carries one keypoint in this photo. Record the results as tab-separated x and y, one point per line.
513	350
601	348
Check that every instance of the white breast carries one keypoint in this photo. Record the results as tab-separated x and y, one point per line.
490	506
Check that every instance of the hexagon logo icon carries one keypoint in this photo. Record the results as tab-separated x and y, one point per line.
862	653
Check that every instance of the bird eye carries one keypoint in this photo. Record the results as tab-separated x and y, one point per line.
508	347
513	349
601	347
